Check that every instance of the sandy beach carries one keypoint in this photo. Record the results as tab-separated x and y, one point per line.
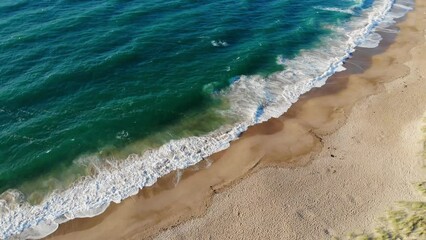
332	165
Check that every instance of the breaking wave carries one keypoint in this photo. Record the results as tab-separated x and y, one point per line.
253	99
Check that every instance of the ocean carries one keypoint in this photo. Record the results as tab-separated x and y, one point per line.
99	99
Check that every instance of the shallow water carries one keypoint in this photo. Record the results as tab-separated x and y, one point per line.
104	81
83	77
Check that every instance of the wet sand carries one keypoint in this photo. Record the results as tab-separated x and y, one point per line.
332	164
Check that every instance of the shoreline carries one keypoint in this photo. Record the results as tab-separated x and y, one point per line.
165	204
122	181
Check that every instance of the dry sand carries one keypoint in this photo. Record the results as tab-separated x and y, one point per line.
331	183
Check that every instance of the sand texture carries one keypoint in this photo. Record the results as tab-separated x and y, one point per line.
335	162
363	169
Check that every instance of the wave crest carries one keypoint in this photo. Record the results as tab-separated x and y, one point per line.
253	99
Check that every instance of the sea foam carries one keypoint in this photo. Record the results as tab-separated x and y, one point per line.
254	98
333	9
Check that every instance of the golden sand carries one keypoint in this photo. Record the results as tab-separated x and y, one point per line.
340	156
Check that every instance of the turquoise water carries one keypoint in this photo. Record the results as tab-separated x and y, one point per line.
99	99
83	77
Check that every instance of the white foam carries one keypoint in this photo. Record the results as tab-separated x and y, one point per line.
253	98
280	60
372	41
333	9
219	43
41	230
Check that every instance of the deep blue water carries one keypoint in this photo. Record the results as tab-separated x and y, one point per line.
91	77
